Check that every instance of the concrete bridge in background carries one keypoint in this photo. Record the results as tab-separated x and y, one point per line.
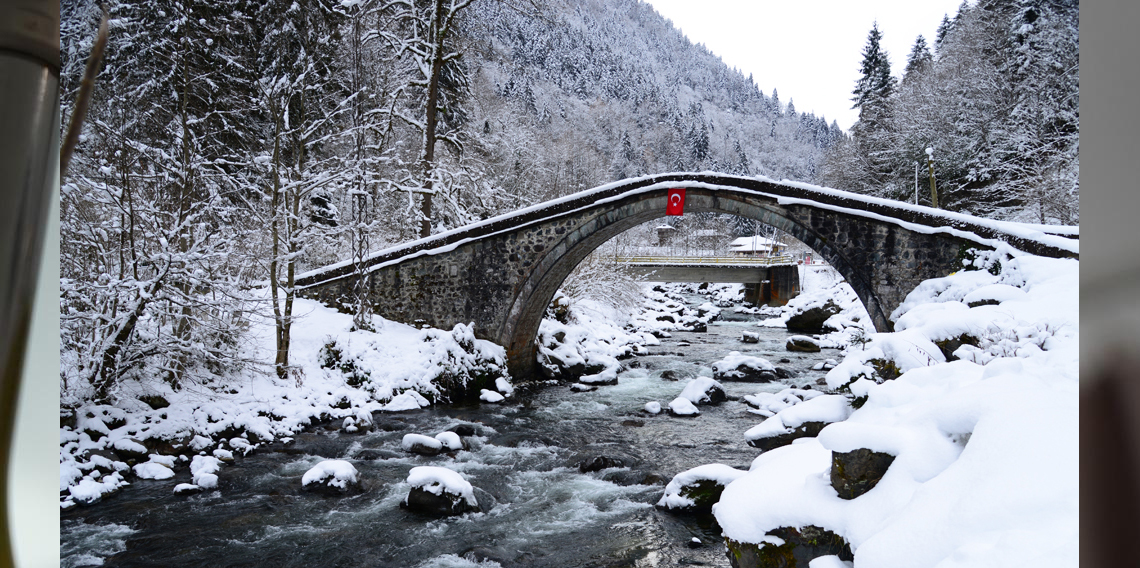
767	280
502	273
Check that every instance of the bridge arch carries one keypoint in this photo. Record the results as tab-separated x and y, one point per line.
502	273
555	266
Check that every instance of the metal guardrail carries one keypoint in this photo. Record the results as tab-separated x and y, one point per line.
706	260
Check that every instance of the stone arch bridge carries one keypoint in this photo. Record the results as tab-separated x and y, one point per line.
502	273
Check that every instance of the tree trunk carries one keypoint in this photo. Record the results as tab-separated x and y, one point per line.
438	36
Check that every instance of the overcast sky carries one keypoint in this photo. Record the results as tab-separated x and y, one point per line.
809	50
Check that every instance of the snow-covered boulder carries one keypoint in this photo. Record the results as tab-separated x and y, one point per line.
802	420
704	390
750	337
331	477
802	343
450	440
683	407
746	368
158	467
653	407
768	404
699	488
420	444
438	491
204	470
812	318
490	396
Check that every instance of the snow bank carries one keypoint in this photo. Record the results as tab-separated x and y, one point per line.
826	408
338	374
436	480
986	454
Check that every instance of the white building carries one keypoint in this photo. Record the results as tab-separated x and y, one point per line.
756	246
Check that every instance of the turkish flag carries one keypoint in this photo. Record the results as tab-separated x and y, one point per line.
676	205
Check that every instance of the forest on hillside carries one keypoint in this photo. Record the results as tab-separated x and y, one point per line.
995	97
233	144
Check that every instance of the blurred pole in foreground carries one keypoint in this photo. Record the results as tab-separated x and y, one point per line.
29	151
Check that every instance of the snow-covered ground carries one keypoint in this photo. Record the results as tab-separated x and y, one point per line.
985	468
339	374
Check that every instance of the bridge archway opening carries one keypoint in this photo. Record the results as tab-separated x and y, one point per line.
548	276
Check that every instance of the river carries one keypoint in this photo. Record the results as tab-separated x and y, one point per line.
538	509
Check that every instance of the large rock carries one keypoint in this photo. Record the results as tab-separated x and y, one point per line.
598	463
811	320
744	368
858	471
698	489
805	430
802	343
800	545
703	390
420	444
439	492
333	478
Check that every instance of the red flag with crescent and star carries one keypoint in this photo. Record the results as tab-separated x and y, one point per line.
676	204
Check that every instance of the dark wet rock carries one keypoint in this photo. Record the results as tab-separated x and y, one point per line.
371	454
598	463
445	504
579	387
802	344
669	375
423	447
805	430
858	471
653	479
785	373
811	320
699	327
667	318
464	429
801	546
695	543
633	423
821	381
156	402
745	374
949	346
785	360
634	364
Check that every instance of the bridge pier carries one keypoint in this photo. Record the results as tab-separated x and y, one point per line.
782	284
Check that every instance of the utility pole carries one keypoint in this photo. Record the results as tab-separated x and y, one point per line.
933	189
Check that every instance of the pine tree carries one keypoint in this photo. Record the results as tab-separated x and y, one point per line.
918	61
875	84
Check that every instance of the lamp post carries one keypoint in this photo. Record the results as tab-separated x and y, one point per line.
933	189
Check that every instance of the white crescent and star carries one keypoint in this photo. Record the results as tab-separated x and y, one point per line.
675	199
